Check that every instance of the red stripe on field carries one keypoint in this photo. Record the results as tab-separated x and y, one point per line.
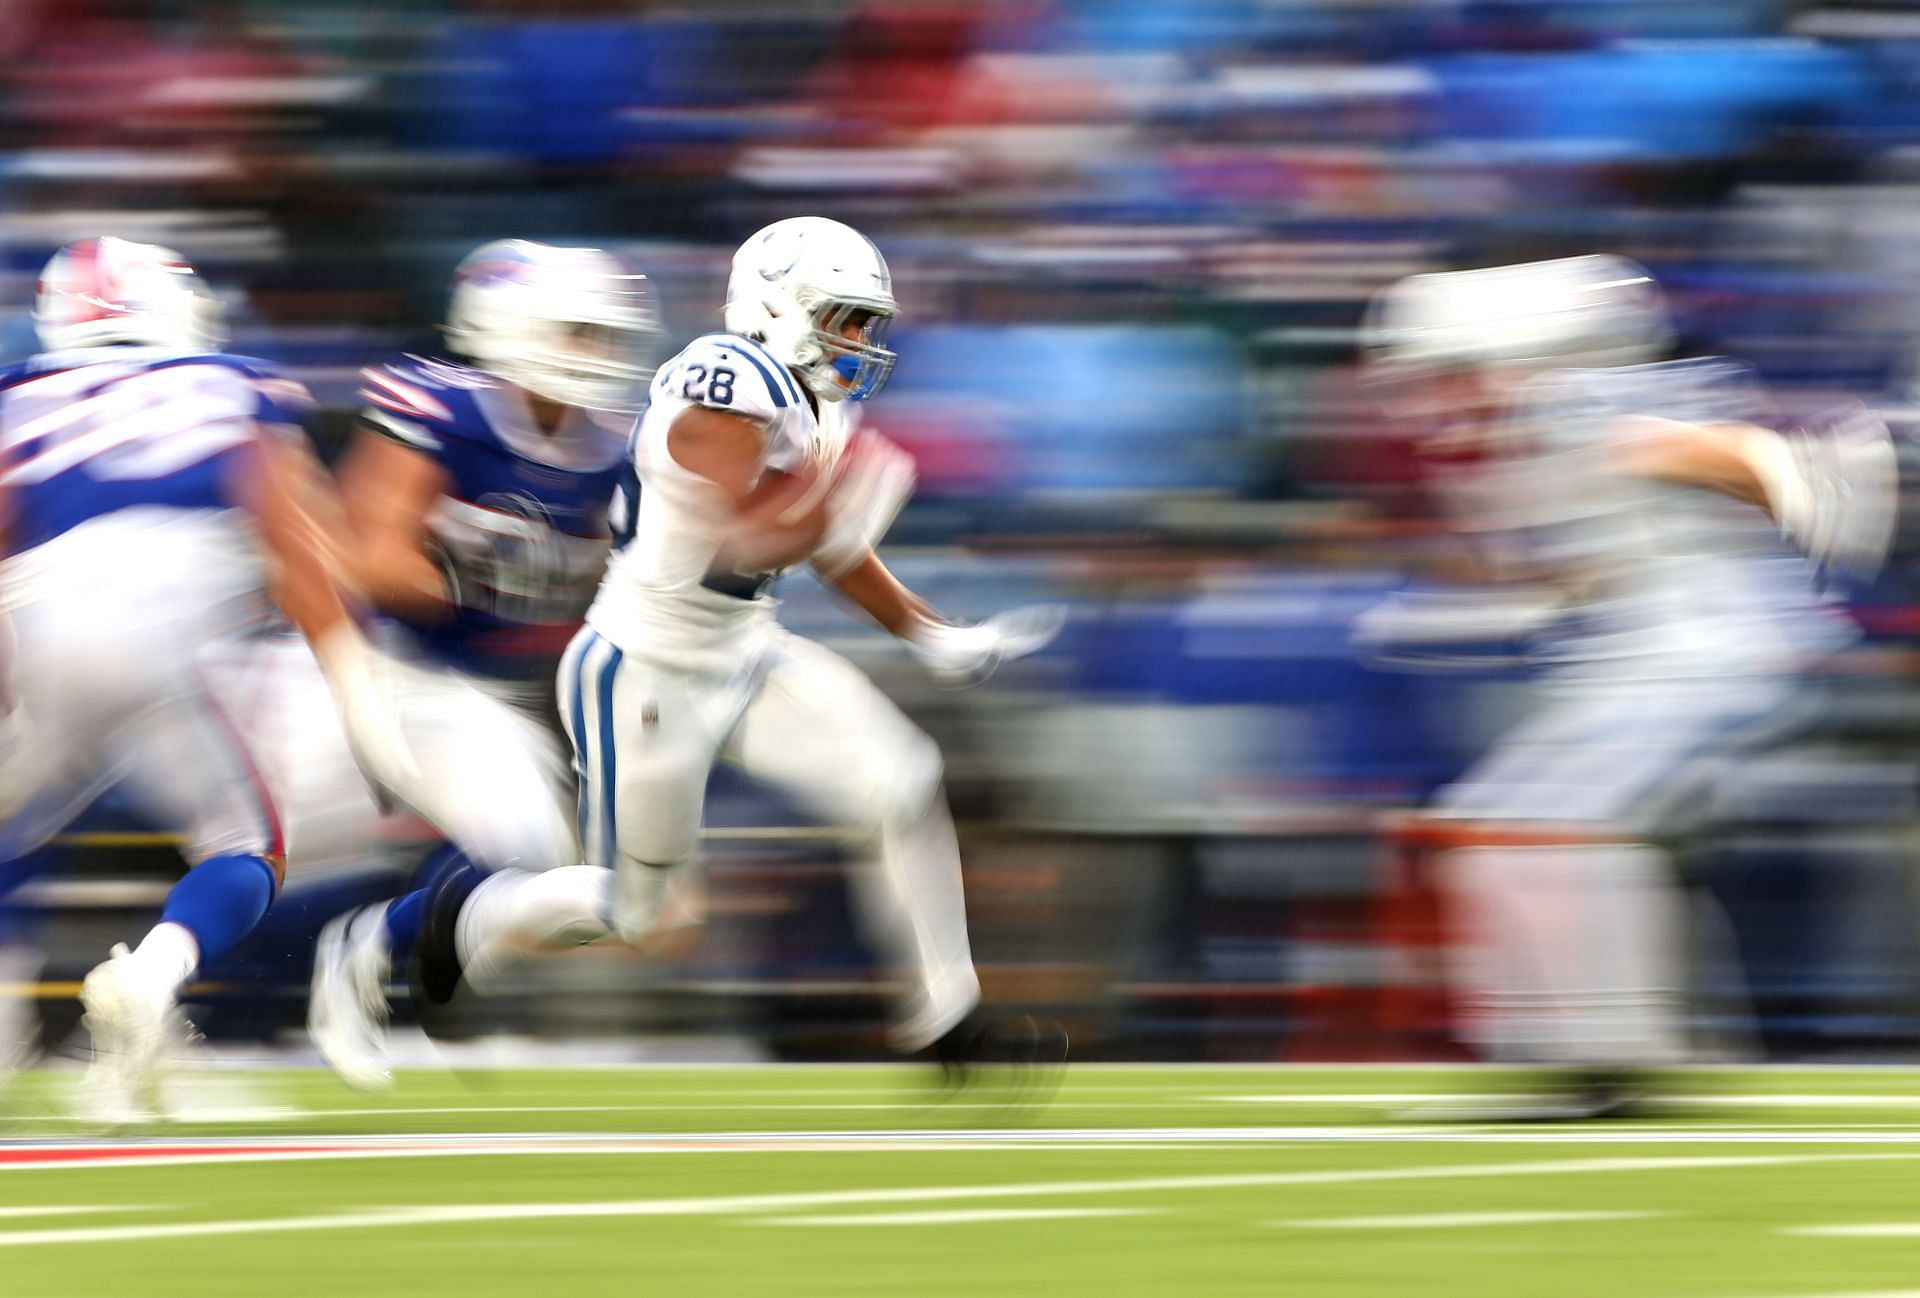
93	1153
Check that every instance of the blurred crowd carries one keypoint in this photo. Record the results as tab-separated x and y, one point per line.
1133	242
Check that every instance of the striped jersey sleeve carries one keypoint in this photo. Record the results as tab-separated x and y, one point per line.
405	405
734	374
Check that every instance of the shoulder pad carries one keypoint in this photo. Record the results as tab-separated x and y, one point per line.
416	401
266	392
401	388
283	399
728	372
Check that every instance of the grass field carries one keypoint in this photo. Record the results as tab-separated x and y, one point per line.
837	1181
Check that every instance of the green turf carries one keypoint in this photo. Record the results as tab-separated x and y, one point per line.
717	1222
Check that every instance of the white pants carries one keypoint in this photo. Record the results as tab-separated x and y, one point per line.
491	779
1570	947
120	626
1628	755
801	718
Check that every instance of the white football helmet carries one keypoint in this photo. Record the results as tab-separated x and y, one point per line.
104	292
574	325
1582	312
819	295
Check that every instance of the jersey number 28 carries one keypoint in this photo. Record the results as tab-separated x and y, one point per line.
719	385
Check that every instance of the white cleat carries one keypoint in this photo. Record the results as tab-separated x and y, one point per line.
347	1008
134	1023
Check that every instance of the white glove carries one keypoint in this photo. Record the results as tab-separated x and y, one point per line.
960	656
365	686
1834	492
871	484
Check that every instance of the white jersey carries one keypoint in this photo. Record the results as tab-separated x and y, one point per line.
661	599
1664	582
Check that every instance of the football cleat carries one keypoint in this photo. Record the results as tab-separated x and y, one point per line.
347	1010
1578	1095
1016	1058
136	1026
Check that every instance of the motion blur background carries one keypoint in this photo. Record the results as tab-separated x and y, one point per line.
1132	240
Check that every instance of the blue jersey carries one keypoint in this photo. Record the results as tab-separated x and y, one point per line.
85	434
522	525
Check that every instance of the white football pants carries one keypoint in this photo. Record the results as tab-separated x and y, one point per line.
802	718
1570	943
121	628
491	778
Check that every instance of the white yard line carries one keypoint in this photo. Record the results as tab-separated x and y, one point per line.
1859	1230
1357	1097
893	1106
286	1112
952	1217
1457	1220
80	1155
1838	1101
442	1214
911	1104
80	1209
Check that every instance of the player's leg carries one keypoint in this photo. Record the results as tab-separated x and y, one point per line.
42	788
353	960
644	741
330	815
490	781
820	729
20	962
1566	948
490	778
189	767
1571	922
49	772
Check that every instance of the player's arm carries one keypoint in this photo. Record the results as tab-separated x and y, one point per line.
1835	495
869	486
283	488
390	490
1727	458
957	655
768	519
280	487
875	591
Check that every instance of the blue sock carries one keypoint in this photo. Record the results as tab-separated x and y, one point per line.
220	901
404	918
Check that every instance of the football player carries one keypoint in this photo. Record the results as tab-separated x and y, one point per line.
478	490
1681	632
749	461
158	501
